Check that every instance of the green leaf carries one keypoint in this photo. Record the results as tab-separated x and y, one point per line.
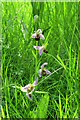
3	114
34	54
61	62
43	106
60	106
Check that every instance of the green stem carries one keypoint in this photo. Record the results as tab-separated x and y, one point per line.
36	62
17	87
40	92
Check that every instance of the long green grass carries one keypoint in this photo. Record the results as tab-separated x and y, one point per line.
57	95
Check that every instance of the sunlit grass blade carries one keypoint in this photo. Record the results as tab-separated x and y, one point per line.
16	95
46	40
75	113
61	62
3	114
60	106
7	110
34	54
70	60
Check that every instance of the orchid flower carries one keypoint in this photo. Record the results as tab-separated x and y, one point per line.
38	35
29	89
43	71
41	49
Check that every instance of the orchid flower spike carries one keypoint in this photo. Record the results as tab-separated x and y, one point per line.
38	35
35	18
41	49
29	89
43	71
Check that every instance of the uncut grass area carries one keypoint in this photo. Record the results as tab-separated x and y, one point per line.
56	95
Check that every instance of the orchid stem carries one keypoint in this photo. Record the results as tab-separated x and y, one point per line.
17	87
36	61
40	92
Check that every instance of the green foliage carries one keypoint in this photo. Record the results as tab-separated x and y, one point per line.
41	109
20	62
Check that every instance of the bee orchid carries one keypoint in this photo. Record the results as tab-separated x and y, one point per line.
41	49
38	35
43	71
29	89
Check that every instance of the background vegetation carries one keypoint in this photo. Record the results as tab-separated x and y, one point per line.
59	23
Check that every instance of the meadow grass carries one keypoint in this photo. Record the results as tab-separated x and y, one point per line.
57	95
